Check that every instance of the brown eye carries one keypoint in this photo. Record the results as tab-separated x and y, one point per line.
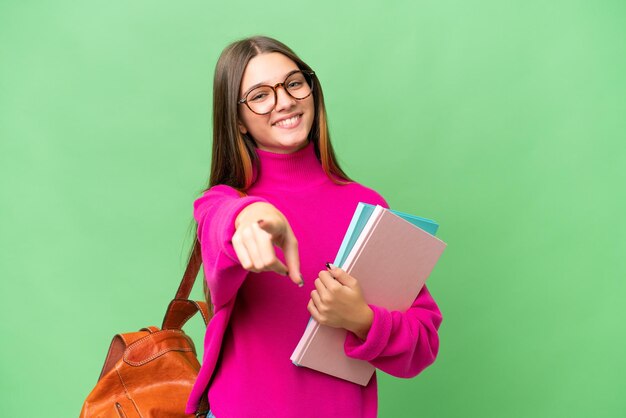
294	84
259	95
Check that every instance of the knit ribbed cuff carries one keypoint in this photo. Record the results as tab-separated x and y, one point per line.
376	339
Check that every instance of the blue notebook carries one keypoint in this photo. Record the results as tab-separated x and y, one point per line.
359	219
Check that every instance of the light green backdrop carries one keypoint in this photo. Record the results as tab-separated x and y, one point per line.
503	120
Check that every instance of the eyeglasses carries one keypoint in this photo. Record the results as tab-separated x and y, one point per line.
262	99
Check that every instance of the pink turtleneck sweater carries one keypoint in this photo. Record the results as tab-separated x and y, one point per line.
260	317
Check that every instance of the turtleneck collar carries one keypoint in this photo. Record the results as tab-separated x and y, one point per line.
295	171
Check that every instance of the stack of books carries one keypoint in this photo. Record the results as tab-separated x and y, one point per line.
391	254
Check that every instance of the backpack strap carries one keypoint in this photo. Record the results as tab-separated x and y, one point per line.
191	272
180	310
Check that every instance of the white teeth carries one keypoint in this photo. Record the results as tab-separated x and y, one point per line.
288	122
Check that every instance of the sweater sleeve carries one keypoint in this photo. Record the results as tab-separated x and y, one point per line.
400	343
216	211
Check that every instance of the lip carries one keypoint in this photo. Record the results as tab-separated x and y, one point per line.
287	117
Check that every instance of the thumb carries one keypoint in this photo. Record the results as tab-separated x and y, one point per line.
341	276
275	229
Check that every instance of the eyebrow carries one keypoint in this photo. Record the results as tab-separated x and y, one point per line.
266	83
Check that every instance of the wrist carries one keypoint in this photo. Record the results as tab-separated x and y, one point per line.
364	323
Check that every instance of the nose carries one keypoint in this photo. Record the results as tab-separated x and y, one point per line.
283	99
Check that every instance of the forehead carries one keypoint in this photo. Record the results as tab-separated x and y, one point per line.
268	68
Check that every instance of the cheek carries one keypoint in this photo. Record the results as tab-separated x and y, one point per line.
311	111
311	103
253	123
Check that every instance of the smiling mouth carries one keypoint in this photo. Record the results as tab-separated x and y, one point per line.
289	123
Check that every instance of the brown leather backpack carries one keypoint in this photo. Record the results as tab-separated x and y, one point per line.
150	373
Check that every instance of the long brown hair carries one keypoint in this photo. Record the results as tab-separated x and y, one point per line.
234	154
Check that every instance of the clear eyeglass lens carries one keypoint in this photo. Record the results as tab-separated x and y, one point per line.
298	86
261	99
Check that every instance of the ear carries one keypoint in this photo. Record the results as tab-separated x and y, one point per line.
242	127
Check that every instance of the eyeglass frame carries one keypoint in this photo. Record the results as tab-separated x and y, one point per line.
244	99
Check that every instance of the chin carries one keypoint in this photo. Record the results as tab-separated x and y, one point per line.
295	146
291	142
284	147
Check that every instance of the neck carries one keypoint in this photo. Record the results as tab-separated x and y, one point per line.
294	171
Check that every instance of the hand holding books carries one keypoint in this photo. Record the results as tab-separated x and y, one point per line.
338	302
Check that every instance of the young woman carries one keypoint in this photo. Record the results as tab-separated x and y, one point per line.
274	214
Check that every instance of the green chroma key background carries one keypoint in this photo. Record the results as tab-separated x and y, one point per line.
504	121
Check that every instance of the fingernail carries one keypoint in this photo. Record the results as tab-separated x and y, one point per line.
301	281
